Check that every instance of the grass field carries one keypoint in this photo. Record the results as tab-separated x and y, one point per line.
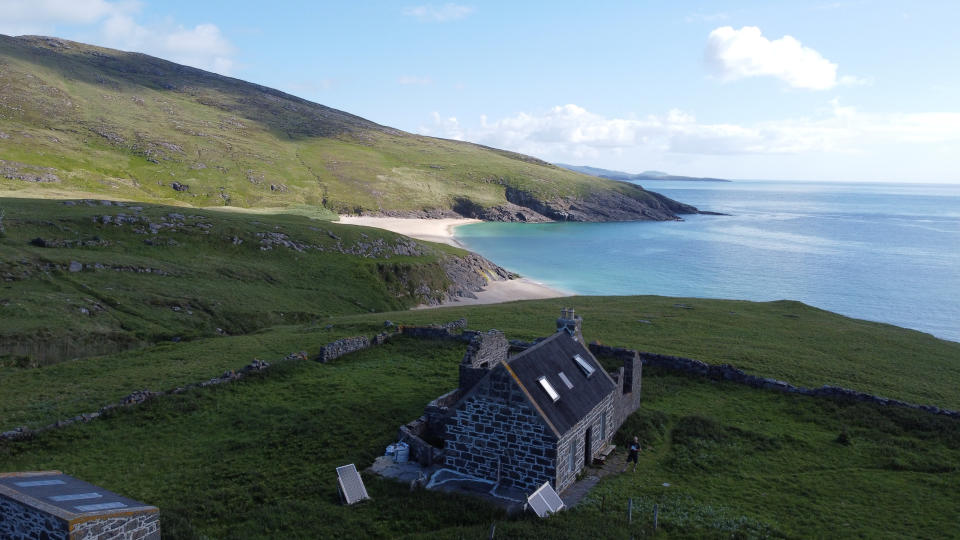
147	273
255	459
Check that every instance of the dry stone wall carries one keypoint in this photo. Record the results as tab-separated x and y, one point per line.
726	372
21	522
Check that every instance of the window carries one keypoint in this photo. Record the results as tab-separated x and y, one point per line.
584	365
565	380
603	426
572	458
549	388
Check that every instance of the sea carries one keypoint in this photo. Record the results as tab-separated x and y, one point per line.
881	252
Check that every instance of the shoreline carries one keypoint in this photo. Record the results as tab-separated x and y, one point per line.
442	231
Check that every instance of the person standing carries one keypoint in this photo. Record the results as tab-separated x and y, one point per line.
634	453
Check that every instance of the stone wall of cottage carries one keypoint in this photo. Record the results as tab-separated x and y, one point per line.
575	440
496	434
486	350
145	526
19	521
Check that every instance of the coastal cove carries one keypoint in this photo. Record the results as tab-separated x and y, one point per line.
882	252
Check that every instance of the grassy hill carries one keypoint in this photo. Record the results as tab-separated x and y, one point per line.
89	277
83	121
255	459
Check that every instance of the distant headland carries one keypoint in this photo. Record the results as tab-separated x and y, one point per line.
628	177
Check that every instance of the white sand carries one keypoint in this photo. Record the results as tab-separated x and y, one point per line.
432	230
441	230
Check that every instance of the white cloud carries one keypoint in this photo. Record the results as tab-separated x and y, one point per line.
737	54
19	17
114	24
414	80
434	13
570	130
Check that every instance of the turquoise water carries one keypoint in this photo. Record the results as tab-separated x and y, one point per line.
882	252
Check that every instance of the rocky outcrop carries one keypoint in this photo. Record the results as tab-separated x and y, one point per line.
635	204
470	274
28	173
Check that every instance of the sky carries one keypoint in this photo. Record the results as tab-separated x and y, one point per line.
848	90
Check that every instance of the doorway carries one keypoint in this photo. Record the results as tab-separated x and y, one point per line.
587	449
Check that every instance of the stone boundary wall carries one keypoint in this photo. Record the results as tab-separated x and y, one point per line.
141	396
726	372
439	331
339	348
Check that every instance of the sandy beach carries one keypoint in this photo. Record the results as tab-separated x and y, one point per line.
441	230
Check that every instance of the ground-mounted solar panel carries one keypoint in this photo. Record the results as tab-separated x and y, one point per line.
350	484
545	501
552	498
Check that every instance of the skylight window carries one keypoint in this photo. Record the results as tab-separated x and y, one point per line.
548	388
584	365
566	381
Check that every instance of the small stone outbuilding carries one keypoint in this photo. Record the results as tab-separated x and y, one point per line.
50	504
538	416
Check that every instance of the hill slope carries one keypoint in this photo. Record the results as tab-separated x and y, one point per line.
80	278
79	120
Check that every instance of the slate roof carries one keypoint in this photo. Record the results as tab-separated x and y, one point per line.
547	359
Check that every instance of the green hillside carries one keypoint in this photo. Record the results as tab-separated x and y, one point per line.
89	277
256	458
83	121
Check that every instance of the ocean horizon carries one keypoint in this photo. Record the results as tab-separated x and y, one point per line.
882	252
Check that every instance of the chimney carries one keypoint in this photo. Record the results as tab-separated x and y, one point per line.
571	323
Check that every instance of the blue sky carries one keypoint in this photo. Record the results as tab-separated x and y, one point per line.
857	90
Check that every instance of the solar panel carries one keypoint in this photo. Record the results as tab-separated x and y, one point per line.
350	484
553	500
545	501
539	505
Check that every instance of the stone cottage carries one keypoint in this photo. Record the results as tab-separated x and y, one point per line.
538	416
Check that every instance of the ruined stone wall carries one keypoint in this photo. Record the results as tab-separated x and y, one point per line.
496	434
486	350
726	372
629	379
437	331
437	414
575	441
144	526
20	521
421	451
341	347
